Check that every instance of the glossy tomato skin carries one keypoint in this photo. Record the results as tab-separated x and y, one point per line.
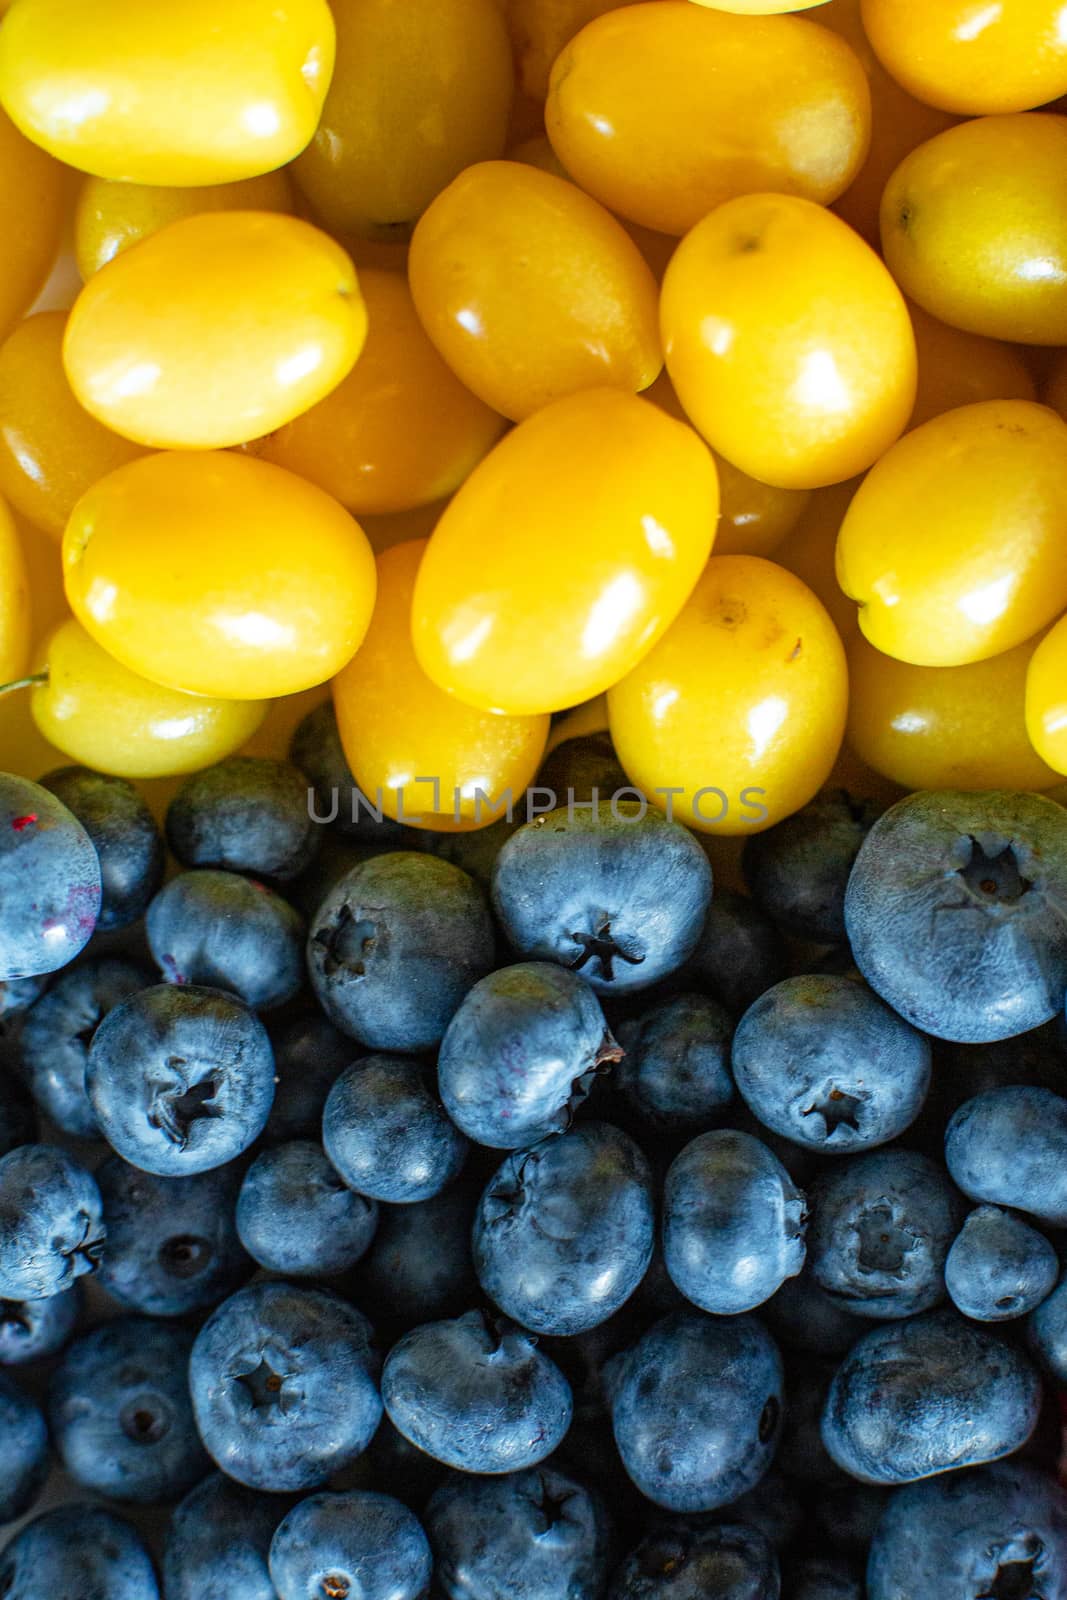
421	90
183	94
102	715
955	544
219	575
267	304
565	555
33	194
667	109
736	716
530	290
425	753
974	227
944	727
973	58
787	341
1046	698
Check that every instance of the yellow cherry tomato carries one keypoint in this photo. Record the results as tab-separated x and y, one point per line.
14	600
565	554
665	110
51	449
422	89
400	527
754	517
787	341
899	122
740	708
1046	697
974	227
33	195
215	330
178	92
531	290
961	369
944	727
219	575
810	551
110	216
760	8
104	716
972	56
955	544
414	750
401	430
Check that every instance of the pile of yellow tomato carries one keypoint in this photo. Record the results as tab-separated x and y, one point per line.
484	358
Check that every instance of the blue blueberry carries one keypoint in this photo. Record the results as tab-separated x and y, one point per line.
357	1544
23	1451
309	1055
172	1244
228	932
51	1222
295	1215
738	955
218	1541
124	835
181	1079
17	995
77	1552
1047	1330
316	750
533	1535
32	1330
420	1264
395	946
1009	1147
49	881
564	1231
825	1577
997	1533
675	1069
18	1114
55	1038
120	1414
616	895
999	1267
733	1223
522	1053
387	1133
476	1394
246	814
697	1409
804	1317
284	1384
821	1060
881	1228
927	1395
956	912
798	870
730	1560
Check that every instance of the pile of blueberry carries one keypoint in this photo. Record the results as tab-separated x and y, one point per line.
504	1217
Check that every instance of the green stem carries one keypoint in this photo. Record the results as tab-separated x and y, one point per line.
31	682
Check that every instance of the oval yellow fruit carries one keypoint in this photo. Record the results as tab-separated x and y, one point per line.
14	600
955	544
420	753
565	555
217	329
33	192
218	574
104	716
179	92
